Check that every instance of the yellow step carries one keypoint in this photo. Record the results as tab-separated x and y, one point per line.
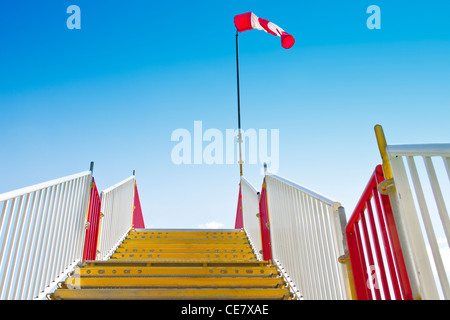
173	294
144	256
172	282
187	236
182	250
187	241
174	263
188	233
175	271
138	244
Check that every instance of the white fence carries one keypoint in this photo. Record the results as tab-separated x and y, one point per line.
116	216
41	234
250	213
420	190
307	239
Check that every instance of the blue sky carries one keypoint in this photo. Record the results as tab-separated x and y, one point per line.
115	90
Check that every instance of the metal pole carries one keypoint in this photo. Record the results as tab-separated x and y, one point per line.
239	106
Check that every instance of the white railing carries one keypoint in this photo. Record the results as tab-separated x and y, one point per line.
116	216
306	236
250	214
41	235
420	190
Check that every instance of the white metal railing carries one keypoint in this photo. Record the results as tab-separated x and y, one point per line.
250	214
424	188
41	235
116	216
307	240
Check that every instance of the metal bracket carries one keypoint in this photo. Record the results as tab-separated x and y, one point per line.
385	185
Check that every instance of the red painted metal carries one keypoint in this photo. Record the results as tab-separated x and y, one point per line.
138	219
239	223
264	220
93	219
367	240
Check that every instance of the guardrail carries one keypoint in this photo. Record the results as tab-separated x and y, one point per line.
116	216
434	215
41	234
419	190
307	239
250	215
379	271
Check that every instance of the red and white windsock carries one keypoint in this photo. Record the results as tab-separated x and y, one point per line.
249	21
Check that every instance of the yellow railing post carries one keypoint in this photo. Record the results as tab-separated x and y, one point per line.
381	140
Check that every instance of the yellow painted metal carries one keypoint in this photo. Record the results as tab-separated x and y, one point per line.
183	250
178	265
173	294
138	244
132	271
198	255
179	235
173	282
350	281
382	145
180	262
187	241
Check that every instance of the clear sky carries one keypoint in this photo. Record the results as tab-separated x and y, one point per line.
114	91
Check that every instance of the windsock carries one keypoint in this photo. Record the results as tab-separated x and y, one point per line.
249	21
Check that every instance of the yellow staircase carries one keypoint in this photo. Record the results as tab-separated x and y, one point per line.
192	264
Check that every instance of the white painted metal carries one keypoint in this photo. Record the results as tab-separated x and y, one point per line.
307	240
41	234
117	211
433	218
250	213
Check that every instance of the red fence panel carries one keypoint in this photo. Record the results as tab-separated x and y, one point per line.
93	219
239	223
379	271
138	219
264	220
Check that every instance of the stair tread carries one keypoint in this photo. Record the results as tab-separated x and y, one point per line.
175	294
172	282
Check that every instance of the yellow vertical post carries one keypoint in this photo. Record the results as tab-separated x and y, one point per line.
382	145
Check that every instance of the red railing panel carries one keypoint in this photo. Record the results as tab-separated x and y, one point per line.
93	219
264	220
374	248
239	223
138	219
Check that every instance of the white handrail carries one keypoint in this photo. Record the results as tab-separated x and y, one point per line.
41	234
305	190
306	237
429	150
116	216
250	215
433	219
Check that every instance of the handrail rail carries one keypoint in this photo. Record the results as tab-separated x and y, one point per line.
41	234
305	190
118	184
39	186
425	150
